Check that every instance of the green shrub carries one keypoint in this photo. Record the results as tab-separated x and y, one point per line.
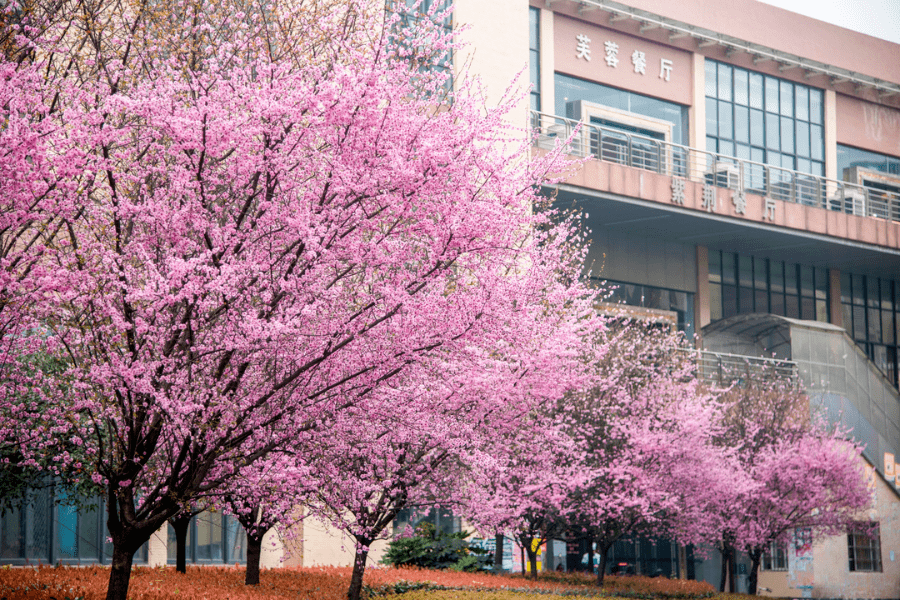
431	549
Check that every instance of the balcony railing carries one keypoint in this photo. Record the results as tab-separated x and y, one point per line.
721	369
662	157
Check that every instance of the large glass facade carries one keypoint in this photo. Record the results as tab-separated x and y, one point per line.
740	284
571	89
44	530
870	306
764	119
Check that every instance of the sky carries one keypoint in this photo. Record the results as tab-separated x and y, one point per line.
879	18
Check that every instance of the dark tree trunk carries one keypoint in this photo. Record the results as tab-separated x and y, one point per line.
532	560
359	568
498	553
732	570
601	568
522	555
755	558
180	524
120	572
254	552
723	576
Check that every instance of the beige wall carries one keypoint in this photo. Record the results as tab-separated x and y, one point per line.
825	572
325	545
496	47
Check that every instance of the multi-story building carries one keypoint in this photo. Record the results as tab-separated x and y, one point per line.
745	186
745	183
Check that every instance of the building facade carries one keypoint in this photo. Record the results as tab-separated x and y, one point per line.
745	181
744	185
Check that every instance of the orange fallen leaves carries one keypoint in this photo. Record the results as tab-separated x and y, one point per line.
314	583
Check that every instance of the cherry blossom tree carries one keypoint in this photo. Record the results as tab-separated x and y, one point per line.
644	459
253	247
798	472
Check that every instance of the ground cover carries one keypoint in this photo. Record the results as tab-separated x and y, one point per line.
326	583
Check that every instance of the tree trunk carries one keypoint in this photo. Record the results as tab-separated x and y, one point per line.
254	551
601	567
522	555
532	560
120	572
359	568
498	553
180	524
723	579
732	570
755	558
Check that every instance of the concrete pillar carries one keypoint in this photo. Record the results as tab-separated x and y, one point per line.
158	547
834	298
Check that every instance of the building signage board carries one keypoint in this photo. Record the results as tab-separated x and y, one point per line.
621	60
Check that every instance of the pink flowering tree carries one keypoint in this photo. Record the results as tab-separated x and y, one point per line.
255	246
642	432
797	472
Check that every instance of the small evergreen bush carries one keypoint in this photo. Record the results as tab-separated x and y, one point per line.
431	549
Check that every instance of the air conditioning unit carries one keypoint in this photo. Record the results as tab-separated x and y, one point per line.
855	201
725	175
547	138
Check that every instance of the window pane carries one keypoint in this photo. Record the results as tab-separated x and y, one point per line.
776	268
773	129
726	148
822	311
209	536
790	278
816	142
757	131
729	273
67	523
802	102
724	82
741	92
787	99
808	308
886	302
859	323
887	326
11	534
792	306
715	301
787	135
89	532
815	106
729	301
760	280
712	117
772	104
710	78
745	271
845	287
726	127
873	296
777	307
745	300
874	333
715	266
761	301
756	91
806	281
802	139
741	124
847	311
821	283
859	289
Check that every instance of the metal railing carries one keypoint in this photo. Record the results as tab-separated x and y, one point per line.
719	368
633	150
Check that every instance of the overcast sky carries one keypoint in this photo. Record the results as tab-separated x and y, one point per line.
879	18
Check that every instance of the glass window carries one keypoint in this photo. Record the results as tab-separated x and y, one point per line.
864	549
712	117
775	557
790	278
815	106
787	135
802	139
757	131
710	68
741	91
776	268
726	126
802	103
729	272
787	99
715	266
745	271
772	103
773	130
756	91
848	157
725	83
741	124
